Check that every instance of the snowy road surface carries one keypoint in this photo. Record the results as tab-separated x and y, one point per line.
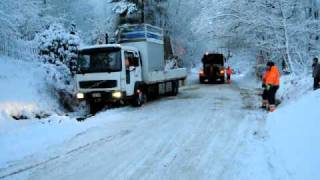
200	134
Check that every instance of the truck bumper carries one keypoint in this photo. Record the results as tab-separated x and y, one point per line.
206	79
113	96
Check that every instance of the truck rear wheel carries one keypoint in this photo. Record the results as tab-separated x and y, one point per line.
175	88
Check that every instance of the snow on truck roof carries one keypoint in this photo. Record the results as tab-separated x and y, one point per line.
100	46
105	46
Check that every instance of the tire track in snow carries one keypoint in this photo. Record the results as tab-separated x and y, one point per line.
200	134
43	163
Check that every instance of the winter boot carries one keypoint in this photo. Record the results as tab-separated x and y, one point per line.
264	104
272	108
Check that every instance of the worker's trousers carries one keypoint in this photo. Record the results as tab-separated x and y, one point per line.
316	83
272	95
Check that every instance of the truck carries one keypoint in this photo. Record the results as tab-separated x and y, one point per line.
131	70
213	69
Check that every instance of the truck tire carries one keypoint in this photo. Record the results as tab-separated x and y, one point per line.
95	107
139	98
223	80
175	88
201	80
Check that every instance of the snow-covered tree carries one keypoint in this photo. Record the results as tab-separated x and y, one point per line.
20	20
58	51
20	17
123	7
280	30
186	43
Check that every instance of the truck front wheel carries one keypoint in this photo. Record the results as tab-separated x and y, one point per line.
223	80
95	107
139	98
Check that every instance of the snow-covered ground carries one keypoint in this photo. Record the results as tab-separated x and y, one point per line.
200	134
192	136
294	136
206	132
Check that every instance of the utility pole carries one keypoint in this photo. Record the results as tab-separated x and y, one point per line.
142	11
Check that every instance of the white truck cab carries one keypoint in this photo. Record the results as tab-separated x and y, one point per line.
130	70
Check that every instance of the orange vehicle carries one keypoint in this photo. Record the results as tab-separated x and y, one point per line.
213	70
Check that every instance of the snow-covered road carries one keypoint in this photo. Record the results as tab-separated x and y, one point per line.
200	134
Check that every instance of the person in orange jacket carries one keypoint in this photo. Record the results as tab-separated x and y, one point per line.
229	73
272	81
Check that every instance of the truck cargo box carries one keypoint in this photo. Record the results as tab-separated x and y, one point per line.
149	40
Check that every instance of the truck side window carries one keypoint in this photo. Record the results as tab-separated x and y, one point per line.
136	61
131	60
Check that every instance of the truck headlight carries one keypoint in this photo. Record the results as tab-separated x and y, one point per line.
117	95
80	96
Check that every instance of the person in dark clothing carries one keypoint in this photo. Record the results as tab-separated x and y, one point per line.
229	73
316	74
265	102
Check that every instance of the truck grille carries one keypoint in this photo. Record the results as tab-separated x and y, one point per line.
98	84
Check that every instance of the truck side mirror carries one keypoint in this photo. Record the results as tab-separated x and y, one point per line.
132	68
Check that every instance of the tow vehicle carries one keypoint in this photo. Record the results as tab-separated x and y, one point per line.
213	69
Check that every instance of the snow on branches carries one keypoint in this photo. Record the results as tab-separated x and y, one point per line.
123	7
280	30
58	51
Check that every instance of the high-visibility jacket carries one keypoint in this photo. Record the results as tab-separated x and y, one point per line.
229	71
273	77
264	77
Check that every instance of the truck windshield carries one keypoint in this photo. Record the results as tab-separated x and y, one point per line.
99	60
216	59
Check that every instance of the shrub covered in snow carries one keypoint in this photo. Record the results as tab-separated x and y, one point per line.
123	7
294	87
58	51
57	45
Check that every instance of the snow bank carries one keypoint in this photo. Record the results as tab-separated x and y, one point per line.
23	93
294	136
21	139
23	88
293	87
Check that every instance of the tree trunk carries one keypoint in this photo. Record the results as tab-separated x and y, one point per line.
286	36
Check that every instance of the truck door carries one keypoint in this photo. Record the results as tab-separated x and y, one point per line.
133	71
